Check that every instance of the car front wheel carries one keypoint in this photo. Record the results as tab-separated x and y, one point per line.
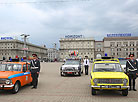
93	91
16	88
125	92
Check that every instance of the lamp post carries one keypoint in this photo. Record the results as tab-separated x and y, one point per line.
25	49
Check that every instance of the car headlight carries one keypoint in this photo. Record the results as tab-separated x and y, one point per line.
62	68
8	81
125	81
95	81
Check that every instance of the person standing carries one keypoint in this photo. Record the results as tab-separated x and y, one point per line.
86	65
131	70
35	69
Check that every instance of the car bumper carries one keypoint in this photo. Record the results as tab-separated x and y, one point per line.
110	87
6	86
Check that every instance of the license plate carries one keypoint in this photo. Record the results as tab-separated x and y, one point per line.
69	72
111	86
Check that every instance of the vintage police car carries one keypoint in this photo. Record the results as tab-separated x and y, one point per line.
13	75
107	74
71	66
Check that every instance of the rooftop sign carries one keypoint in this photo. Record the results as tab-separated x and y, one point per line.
74	36
6	38
119	35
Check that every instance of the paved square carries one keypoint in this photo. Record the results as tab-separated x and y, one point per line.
54	88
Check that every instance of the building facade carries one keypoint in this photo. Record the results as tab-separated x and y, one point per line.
118	47
81	47
12	48
121	47
53	54
99	49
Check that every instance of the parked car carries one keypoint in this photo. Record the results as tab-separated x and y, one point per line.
108	75
14	75
71	66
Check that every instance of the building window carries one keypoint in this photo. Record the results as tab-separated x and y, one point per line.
118	43
99	45
131	49
125	44
132	44
112	44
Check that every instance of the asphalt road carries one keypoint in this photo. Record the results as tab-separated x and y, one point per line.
54	88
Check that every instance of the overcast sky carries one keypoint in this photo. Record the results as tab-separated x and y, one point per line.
46	21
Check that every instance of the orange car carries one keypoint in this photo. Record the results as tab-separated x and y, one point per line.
13	75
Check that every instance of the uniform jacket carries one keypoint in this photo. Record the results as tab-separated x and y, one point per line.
35	63
129	68
88	64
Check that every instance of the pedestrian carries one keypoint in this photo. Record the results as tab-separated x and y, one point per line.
35	69
131	70
86	65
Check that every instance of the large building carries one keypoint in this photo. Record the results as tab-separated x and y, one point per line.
78	45
121	47
12	48
114	46
53	54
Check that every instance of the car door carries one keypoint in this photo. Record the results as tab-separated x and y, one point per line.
29	73
25	74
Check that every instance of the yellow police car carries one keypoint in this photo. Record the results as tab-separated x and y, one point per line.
107	74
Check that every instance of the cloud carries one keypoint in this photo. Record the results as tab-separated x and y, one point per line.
47	22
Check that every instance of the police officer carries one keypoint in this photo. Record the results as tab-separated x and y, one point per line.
86	65
35	69
131	70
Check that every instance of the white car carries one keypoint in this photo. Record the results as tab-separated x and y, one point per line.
71	66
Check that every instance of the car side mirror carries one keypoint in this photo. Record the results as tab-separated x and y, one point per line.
63	64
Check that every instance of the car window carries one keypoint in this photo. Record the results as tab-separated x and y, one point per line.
10	67
123	62
24	68
2	67
17	67
72	62
107	67
29	67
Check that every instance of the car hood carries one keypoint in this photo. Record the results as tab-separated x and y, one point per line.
70	66
6	74
109	75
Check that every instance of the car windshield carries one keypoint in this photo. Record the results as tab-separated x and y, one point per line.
123	62
10	67
107	67
72	62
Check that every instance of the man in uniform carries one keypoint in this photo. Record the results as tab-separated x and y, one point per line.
35	69
131	70
86	65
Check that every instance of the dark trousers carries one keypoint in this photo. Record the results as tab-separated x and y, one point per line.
130	79
35	79
86	69
132	76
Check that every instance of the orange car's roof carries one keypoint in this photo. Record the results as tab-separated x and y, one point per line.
16	62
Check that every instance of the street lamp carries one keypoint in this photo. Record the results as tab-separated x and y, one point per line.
25	49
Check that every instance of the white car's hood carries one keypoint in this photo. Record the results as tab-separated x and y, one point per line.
123	66
70	66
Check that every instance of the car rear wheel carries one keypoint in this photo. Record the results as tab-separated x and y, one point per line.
93	91
16	88
125	92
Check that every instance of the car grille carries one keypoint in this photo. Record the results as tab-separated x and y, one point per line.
2	81
110	81
70	69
